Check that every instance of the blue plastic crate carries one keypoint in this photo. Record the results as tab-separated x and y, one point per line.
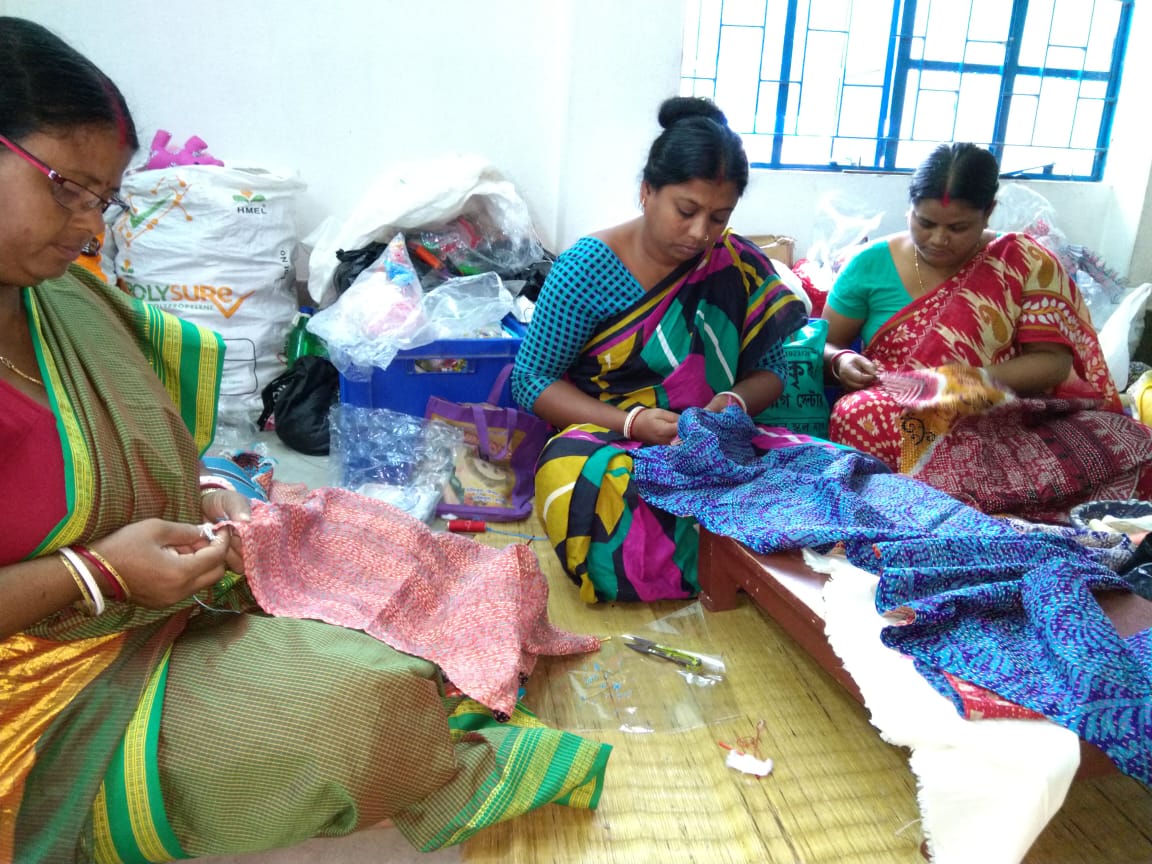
461	370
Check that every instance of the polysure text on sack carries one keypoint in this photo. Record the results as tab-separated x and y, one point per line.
222	297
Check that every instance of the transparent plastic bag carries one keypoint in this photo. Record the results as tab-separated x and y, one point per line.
235	427
385	311
842	226
469	307
613	689
360	328
428	195
474	243
1026	211
393	457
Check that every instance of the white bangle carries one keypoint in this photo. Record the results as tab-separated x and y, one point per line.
209	483
89	580
633	413
732	394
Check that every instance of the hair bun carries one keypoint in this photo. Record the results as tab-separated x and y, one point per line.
682	107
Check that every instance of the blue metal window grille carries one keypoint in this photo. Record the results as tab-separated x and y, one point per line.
875	85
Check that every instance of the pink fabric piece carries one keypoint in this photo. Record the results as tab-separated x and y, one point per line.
479	613
779	438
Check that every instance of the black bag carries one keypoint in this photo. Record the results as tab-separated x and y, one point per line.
353	263
299	400
533	276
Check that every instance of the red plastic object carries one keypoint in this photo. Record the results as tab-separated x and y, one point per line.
467	526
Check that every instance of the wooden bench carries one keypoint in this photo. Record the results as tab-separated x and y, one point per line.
789	592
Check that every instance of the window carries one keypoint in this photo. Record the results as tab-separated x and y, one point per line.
875	85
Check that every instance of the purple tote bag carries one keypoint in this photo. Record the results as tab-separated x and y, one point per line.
494	477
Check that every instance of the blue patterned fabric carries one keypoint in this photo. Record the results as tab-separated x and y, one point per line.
1009	611
1111	548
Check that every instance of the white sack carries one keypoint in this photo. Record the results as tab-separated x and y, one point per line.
1116	334
414	195
214	246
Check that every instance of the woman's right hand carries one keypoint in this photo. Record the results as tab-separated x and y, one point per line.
854	371
655	426
165	562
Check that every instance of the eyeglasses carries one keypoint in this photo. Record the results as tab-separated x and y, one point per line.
68	193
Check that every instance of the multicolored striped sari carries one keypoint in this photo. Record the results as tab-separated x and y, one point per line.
143	735
700	330
933	415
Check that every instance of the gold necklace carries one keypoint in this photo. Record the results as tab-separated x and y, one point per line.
19	372
916	261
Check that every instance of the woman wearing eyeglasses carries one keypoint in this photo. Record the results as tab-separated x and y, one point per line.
135	725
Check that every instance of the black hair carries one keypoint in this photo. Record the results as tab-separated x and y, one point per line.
696	144
46	85
959	172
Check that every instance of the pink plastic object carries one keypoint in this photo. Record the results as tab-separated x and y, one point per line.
194	153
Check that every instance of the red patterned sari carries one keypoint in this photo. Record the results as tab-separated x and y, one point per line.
935	416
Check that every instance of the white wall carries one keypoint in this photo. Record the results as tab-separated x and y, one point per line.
561	96
1127	226
625	61
339	90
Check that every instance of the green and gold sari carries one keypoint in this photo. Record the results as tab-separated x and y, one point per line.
147	735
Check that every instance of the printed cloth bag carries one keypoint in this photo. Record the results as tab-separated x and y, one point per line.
494	475
803	406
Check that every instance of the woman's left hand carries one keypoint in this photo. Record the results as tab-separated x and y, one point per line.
855	372
220	505
721	401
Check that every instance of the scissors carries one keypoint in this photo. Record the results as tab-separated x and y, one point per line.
646	646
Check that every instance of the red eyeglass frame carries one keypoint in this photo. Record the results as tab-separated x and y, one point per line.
64	183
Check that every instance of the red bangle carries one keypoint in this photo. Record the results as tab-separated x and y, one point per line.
117	589
832	363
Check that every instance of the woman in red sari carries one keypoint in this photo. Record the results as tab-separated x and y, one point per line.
980	372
